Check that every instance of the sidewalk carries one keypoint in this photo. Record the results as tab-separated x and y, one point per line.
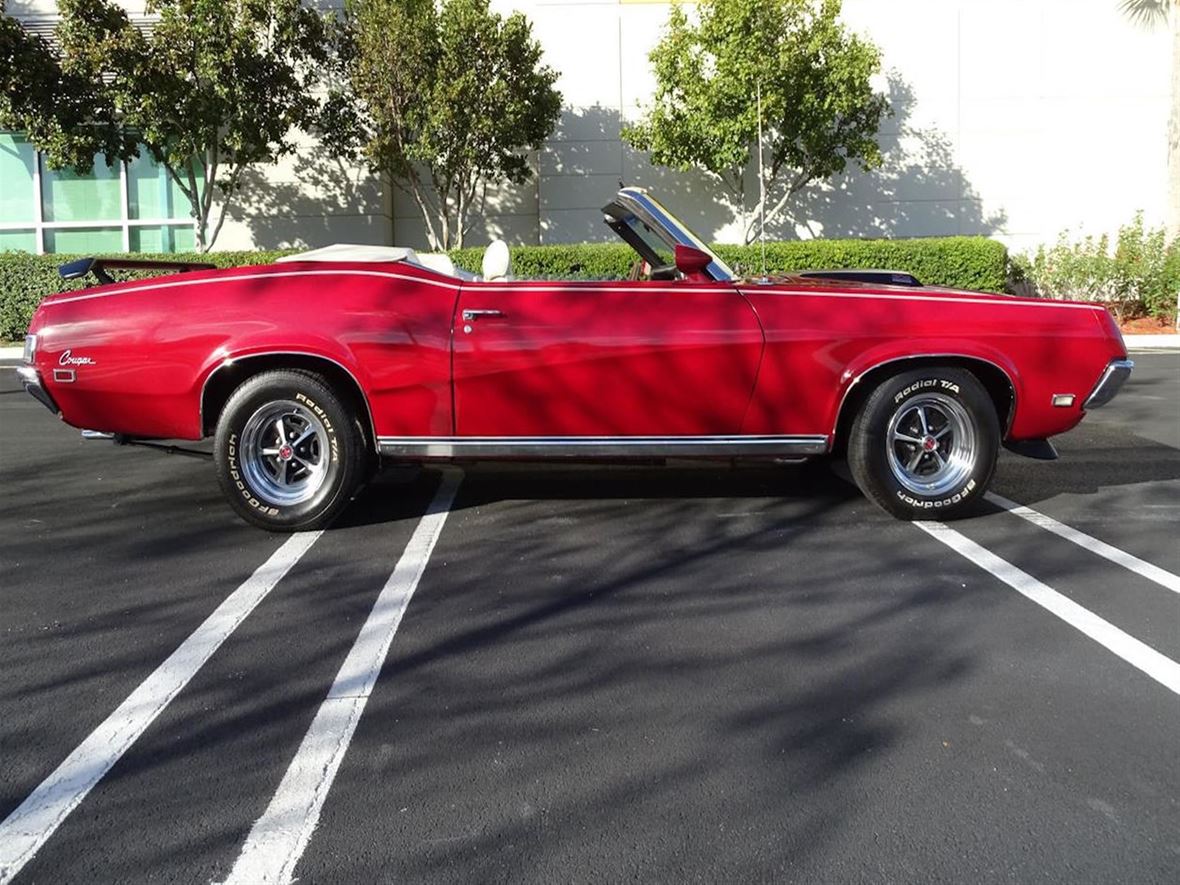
1152	342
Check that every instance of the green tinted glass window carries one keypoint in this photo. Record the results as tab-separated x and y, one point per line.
166	238
84	239
17	198
67	196
18	241
152	192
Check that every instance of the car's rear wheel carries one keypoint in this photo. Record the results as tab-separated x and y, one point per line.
289	452
924	443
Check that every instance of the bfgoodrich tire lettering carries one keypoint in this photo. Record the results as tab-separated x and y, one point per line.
288	451
924	443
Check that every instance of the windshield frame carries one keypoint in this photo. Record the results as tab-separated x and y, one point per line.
635	204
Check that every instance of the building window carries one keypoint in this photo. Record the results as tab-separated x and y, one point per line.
130	207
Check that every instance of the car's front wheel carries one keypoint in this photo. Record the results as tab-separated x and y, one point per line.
289	453
924	443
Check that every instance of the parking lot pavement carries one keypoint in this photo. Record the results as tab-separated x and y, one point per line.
645	673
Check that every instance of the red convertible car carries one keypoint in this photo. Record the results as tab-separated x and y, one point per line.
309	372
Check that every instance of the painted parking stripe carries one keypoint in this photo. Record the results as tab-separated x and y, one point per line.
28	827
1119	557
278	838
1162	669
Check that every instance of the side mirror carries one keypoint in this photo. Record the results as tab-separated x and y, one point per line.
692	263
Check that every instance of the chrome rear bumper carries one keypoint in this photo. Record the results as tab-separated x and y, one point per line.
30	378
1109	384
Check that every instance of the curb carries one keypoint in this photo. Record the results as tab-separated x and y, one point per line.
12	353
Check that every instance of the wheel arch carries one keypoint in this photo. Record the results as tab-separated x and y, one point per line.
228	375
997	380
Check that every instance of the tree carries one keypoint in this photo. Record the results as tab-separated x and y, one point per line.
213	88
447	108
819	111
1157	13
59	107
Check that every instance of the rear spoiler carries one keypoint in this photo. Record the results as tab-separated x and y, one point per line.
880	277
75	270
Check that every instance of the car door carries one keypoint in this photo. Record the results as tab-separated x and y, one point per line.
578	359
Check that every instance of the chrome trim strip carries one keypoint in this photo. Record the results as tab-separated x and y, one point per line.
231	361
1108	386
922	356
598	446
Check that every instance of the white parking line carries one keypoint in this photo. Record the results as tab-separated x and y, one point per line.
1120	557
1162	669
25	830
278	838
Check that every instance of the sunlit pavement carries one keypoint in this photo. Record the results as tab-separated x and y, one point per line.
593	674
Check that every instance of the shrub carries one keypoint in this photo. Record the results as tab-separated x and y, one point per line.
958	262
1137	275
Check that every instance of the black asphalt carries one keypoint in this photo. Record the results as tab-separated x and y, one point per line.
650	674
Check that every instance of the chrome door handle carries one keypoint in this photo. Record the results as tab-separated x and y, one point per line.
469	315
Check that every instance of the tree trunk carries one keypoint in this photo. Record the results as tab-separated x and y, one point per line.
1173	217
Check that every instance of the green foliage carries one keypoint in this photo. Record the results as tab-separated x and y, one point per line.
446	108
959	262
213	89
25	279
595	261
63	109
1136	275
818	108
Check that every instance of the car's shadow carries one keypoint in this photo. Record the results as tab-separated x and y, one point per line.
1093	458
396	492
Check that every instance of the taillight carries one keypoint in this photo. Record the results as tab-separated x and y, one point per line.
30	348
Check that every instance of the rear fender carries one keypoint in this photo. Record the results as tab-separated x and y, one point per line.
857	379
333	359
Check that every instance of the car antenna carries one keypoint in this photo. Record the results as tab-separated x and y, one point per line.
761	187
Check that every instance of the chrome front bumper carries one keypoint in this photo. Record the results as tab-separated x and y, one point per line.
30	378
1109	384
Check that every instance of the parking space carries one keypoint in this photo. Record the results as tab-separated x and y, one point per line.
683	672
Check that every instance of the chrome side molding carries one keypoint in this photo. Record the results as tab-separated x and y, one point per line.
599	446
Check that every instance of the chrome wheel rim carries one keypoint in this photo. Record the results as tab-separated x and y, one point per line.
930	444
284	453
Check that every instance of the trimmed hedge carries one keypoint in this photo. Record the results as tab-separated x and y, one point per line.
958	262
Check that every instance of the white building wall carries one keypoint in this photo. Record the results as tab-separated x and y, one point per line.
1013	118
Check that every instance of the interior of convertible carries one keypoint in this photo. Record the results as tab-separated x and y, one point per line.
637	217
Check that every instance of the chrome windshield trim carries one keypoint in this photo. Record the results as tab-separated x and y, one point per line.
598	446
1111	382
647	208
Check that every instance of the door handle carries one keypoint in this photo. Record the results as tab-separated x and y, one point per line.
469	315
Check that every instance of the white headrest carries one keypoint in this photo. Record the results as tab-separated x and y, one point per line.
497	262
